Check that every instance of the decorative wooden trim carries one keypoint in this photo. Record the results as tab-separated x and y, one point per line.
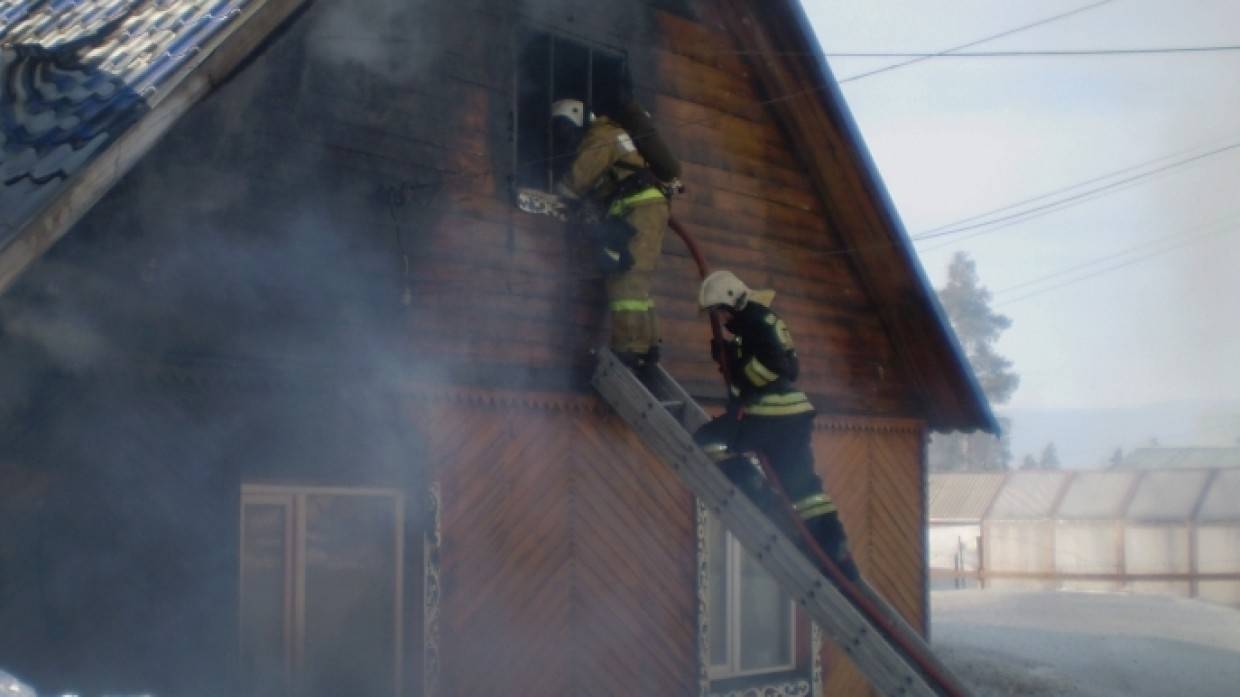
504	398
815	649
788	688
431	594
703	592
868	424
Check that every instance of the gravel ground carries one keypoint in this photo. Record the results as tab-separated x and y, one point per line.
1013	644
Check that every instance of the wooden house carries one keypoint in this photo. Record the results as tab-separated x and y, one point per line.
298	405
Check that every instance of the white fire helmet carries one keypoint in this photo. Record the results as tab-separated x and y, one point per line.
724	288
571	109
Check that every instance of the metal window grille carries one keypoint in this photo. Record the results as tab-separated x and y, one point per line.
551	67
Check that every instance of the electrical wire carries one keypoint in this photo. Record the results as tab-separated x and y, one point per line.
1077	198
1117	255
947	51
1070	187
1116	267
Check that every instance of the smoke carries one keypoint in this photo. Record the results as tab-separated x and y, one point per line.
228	313
239	309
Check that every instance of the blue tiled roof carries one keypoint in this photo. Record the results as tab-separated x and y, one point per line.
75	74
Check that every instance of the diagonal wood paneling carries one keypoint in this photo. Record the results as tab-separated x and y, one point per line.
568	556
897	518
506	560
635	590
875	475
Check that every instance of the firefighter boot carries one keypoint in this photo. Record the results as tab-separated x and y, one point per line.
828	532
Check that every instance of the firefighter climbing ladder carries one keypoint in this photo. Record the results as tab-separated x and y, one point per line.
890	653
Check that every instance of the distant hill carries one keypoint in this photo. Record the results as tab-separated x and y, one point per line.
1085	438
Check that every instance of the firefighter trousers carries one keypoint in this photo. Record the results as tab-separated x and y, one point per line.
787	444
634	325
785	441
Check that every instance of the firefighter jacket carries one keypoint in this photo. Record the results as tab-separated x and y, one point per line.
607	162
763	364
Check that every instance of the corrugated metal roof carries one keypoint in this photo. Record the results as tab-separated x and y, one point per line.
1181	458
1096	496
962	495
1222	503
77	74
1028	495
1167	495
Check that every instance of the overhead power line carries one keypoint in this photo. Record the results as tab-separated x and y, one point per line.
1156	242
1144	257
1024	214
1064	189
975	42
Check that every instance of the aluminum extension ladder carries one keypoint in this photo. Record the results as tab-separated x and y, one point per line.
893	656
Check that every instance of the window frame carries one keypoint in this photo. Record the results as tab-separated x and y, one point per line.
293	499
732	671
525	35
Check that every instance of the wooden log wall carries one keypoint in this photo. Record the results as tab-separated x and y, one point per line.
415	162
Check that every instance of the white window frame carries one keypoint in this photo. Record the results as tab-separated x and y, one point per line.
735	554
293	500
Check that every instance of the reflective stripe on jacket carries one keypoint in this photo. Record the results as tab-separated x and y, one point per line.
606	157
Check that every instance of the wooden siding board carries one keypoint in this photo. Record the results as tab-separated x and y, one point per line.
872	468
611	541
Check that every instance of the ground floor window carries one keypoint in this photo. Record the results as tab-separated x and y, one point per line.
321	591
752	623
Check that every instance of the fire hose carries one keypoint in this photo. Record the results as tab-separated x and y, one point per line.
855	594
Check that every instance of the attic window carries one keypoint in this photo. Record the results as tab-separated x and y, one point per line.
551	67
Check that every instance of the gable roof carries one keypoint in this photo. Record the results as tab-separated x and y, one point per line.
88	86
806	98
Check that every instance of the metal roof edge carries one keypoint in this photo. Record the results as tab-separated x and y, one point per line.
833	100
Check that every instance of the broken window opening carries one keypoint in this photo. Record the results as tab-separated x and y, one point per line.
550	67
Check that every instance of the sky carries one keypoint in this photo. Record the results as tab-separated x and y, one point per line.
1124	305
957	137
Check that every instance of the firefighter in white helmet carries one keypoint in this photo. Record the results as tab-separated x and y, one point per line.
608	171
766	414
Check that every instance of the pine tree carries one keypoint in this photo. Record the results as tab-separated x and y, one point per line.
967	305
1050	458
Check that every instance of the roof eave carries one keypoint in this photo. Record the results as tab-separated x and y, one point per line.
965	407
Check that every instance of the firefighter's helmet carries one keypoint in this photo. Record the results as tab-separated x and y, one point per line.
572	109
724	289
